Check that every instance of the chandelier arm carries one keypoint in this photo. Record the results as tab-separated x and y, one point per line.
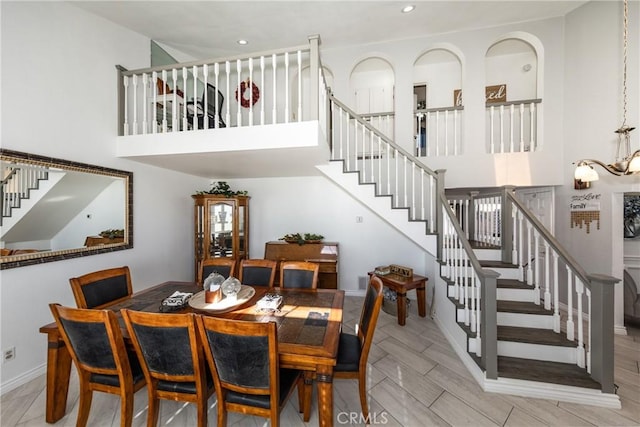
605	166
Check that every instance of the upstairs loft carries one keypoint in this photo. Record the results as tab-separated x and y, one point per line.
269	114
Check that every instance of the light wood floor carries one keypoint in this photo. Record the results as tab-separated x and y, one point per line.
415	379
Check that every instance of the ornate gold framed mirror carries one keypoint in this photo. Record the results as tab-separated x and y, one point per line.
54	209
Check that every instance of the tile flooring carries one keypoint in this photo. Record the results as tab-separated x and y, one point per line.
415	379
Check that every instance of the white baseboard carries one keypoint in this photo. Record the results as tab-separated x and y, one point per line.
22	379
558	392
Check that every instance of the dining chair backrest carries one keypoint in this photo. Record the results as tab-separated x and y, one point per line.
97	348
243	358
299	274
258	272
353	350
100	288
224	266
172	359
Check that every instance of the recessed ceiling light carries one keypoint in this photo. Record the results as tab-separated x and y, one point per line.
242	42
408	8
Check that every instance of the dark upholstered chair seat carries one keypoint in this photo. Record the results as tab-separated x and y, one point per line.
349	351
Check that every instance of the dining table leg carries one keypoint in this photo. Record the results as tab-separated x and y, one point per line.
58	373
324	380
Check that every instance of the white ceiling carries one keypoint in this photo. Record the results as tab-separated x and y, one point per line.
210	29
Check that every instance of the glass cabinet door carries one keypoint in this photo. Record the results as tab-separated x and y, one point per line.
221	225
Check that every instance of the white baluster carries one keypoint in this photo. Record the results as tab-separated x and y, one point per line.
164	101
174	105
155	101
413	190
251	92
274	110
537	276
404	180
455	133
511	136
589	330
502	128
286	87
262	114
125	82
195	102
491	129
479	321
556	295
135	104
529	255
396	194
467	272
216	75
227	66
145	84
580	355
422	204
547	290
437	135
446	133
205	100
570	327
521	128
532	129
520	246
239	93
474	305
514	235
300	86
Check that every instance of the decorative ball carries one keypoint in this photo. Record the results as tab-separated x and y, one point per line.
213	281
231	287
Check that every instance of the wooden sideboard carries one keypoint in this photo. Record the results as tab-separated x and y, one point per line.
324	253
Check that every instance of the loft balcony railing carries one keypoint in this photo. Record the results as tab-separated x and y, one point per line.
438	131
272	87
512	126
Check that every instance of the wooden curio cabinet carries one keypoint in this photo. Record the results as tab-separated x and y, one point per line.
221	227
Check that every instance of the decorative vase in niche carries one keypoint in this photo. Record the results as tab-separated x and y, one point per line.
231	287
212	287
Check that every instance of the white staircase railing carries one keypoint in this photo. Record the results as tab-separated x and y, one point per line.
378	160
16	185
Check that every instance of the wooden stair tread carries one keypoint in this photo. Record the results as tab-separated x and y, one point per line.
496	264
545	371
533	336
512	284
522	307
482	245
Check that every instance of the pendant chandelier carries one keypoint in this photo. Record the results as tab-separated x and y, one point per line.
626	162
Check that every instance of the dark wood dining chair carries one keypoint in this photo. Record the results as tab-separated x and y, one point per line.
243	358
224	266
258	272
353	350
299	274
100	288
172	359
96	346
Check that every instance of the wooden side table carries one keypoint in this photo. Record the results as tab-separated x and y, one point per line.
401	285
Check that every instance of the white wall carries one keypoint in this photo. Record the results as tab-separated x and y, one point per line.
59	100
280	206
593	99
541	168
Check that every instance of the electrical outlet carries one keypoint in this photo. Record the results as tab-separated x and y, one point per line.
8	354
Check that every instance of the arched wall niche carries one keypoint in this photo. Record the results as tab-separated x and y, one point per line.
440	69
372	84
516	59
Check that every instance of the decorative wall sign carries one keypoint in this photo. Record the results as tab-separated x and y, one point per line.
495	94
401	270
584	210
492	95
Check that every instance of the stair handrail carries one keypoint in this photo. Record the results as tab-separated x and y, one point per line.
9	176
601	288
488	298
382	136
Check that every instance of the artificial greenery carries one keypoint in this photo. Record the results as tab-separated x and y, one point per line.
301	239
222	188
112	233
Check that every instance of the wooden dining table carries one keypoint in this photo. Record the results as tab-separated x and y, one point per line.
309	325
